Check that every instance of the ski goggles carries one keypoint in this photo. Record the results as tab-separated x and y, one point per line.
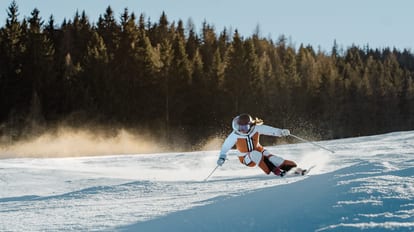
244	128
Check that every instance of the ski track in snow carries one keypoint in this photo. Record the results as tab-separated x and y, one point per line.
367	184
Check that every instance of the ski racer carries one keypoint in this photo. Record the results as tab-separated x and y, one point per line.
245	135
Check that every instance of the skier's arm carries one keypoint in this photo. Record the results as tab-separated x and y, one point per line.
227	145
272	131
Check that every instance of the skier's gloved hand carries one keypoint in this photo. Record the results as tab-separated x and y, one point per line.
285	132
220	161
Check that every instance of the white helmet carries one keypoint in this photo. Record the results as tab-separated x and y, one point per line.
243	123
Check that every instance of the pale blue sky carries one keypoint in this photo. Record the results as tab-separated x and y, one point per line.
379	23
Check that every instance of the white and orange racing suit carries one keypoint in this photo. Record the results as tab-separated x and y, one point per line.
251	151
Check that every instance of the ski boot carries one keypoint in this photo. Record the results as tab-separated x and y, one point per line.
300	171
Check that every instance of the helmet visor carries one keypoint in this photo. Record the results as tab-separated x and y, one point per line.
243	124
244	128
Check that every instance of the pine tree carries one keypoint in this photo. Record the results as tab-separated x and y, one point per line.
286	80
38	58
307	93
406	101
266	71
159	32
198	100
253	79
393	80
276	86
147	67
234	81
193	42
208	46
12	48
109	30
95	73
166	56
180	80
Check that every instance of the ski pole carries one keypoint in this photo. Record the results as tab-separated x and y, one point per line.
315	144
211	172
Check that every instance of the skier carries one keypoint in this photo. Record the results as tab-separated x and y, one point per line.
245	135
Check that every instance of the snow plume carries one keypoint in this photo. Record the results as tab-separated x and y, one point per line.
211	143
318	160
66	141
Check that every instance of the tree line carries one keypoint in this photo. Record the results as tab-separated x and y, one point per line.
168	78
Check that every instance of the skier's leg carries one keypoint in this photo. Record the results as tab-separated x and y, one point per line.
287	165
281	166
251	159
266	165
256	158
276	161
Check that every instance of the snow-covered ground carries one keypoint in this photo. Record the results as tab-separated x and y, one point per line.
367	184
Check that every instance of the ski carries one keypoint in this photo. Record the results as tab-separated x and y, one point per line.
297	172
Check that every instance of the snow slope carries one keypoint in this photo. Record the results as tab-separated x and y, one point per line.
368	184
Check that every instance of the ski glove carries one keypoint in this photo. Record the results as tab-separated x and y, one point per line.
285	132
220	161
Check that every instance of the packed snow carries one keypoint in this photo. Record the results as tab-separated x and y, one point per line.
367	184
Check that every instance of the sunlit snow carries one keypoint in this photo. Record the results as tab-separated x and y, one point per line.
367	184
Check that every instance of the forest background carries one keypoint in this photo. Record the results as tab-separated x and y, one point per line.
175	84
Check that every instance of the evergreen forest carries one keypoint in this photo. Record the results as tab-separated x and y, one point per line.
126	71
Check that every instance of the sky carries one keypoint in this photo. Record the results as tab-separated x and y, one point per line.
377	23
